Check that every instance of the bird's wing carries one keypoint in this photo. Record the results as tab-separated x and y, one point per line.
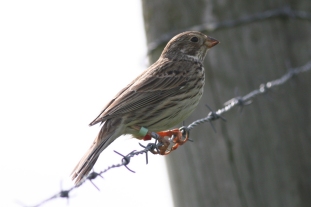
150	88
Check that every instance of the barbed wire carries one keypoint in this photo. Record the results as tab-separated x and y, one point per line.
247	99
212	116
283	12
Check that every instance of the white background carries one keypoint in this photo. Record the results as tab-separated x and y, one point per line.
60	63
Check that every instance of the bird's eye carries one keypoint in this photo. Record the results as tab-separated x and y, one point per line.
194	39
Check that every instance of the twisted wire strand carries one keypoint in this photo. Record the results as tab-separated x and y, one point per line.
212	116
281	13
245	100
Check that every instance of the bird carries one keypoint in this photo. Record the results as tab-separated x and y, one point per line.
161	97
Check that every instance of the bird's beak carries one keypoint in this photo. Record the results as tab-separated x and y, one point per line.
211	42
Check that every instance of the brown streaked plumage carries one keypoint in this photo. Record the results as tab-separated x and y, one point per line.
161	97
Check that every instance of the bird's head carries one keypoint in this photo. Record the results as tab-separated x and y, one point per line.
191	44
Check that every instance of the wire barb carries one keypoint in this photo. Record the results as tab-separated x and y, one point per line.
64	194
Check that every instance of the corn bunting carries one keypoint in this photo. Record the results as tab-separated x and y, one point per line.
161	97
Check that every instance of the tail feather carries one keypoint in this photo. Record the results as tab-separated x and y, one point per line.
108	133
85	165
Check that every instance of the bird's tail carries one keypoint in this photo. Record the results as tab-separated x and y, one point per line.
108	133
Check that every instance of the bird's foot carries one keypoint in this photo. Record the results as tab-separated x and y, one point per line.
176	136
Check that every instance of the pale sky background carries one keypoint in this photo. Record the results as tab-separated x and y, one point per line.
60	63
